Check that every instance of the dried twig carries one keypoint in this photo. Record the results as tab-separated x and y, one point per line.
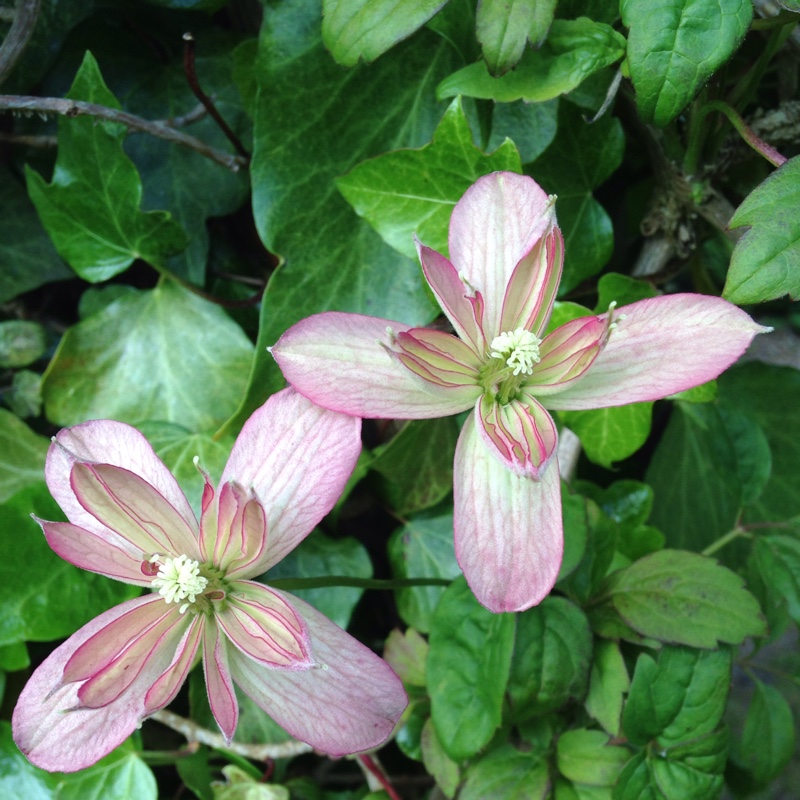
18	36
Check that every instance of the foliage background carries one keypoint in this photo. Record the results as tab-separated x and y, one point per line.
143	280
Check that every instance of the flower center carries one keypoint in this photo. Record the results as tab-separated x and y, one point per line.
519	349
179	579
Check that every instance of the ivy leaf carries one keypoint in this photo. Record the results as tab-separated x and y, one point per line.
19	779
675	47
365	29
468	667
411	192
573	50
164	354
92	208
23	455
764	262
531	126
685	598
507	774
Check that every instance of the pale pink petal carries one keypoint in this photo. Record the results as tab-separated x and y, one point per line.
348	703
659	347
108	442
126	504
344	362
163	691
531	290
219	683
105	553
508	530
264	626
438	357
296	458
494	225
59	740
462	308
521	434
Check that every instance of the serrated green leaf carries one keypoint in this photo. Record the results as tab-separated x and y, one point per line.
677	781
411	192
27	257
586	756
439	765
764	262
319	555
365	29
768	738
468	667
23	455
19	779
164	354
417	464
580	159
608	684
674	47
677	698
503	29
573	50
610	434
777	559
422	548
43	597
684	598
552	654
507	774
92	209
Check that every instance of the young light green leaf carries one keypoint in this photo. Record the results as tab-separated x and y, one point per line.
407	653
764	262
320	555
468	667
164	354
674	47
684	598
586	756
608	684
503	29
440	766
365	29
507	774
411	192
92	209
552	654
768	739
573	50
23	455
422	548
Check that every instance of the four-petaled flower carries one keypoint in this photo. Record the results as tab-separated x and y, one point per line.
129	520
497	290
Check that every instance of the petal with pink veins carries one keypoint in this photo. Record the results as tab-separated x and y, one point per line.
265	627
344	362
508	529
661	346
350	702
494	225
59	740
521	434
296	458
102	552
219	682
108	442
438	357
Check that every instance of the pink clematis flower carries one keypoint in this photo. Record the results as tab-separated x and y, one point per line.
129	520
497	290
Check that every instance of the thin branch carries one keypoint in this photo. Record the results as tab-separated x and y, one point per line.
258	752
372	767
18	36
78	108
28	140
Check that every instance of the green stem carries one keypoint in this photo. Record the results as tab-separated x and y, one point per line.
730	536
291	584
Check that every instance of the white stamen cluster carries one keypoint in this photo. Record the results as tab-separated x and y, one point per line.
179	579
519	349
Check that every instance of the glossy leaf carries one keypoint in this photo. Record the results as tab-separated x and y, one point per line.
507	774
684	598
763	265
104	366
777	559
468	667
409	192
364	29
675	47
22	455
19	779
531	126
92	209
